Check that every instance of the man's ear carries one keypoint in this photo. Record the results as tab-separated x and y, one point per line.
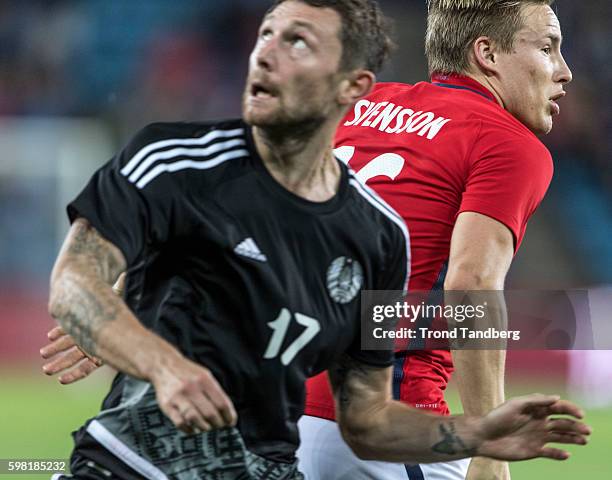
355	86
484	55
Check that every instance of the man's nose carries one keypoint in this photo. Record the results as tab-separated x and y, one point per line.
266	54
564	74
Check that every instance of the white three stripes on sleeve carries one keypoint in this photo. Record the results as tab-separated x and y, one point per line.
184	164
175	152
141	169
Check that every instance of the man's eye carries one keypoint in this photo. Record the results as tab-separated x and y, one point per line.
546	50
265	34
299	42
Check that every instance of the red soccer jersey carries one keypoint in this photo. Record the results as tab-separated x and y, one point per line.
432	151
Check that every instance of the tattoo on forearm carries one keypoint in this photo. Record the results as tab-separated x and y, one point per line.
83	314
102	259
80	305
451	443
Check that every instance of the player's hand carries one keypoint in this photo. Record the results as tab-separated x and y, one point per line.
64	354
487	469
191	397
520	428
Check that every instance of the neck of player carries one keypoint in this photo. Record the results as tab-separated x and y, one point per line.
305	165
490	84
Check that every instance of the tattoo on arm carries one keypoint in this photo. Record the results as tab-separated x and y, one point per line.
344	374
82	313
451	443
81	304
101	256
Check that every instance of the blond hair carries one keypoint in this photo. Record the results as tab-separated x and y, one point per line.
454	25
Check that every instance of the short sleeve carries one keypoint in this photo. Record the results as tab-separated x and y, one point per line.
396	272
133	219
508	178
394	278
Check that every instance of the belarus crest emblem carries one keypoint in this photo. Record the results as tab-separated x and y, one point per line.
344	279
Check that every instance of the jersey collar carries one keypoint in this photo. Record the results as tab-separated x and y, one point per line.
274	187
462	82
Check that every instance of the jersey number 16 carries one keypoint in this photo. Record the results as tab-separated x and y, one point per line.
386	165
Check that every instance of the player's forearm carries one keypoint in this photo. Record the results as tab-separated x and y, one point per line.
480	373
379	428
84	303
480	379
398	433
100	322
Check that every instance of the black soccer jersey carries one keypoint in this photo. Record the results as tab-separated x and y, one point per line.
244	277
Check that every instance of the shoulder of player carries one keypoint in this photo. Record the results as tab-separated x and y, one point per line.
377	215
496	122
162	149
511	153
175	133
513	140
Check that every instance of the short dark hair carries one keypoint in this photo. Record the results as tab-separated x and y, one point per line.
365	34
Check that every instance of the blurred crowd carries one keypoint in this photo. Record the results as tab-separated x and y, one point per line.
137	61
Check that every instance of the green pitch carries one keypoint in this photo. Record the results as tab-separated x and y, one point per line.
37	415
587	462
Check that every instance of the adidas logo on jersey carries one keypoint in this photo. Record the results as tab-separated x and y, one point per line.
248	248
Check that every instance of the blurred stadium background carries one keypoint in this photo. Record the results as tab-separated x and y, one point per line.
77	77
